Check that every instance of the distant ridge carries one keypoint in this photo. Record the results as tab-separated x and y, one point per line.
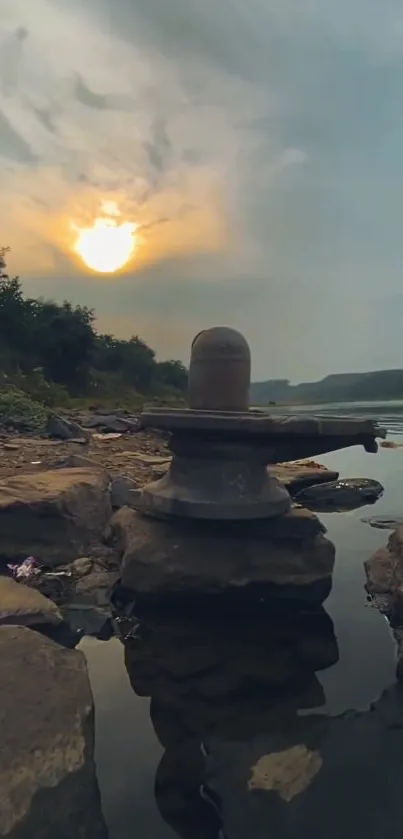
339	387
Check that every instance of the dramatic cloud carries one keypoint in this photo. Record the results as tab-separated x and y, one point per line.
258	147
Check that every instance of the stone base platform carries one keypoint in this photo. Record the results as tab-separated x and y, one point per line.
288	557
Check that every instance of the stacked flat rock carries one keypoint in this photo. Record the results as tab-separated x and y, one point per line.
287	557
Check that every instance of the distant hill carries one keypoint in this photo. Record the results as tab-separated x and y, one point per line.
340	387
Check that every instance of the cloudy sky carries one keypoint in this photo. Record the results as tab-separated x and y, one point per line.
259	146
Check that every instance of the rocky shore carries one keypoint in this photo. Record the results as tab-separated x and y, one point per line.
73	547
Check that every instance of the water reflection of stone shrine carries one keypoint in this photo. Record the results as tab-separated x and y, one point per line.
248	750
217	682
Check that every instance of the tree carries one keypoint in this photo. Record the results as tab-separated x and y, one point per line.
62	342
63	339
133	361
15	319
172	374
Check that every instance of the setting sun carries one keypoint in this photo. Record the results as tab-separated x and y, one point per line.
108	244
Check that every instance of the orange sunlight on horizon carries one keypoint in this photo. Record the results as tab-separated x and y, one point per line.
108	244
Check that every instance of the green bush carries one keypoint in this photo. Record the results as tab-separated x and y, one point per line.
20	412
39	389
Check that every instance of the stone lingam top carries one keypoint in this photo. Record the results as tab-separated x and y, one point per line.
219	372
221	447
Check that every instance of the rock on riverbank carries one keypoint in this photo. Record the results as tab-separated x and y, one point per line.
288	557
57	513
48	783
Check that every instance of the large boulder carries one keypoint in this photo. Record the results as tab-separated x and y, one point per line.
54	515
24	606
384	570
284	557
48	783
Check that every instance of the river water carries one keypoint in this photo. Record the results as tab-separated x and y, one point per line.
128	751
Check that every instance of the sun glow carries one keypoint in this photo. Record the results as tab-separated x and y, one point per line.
109	243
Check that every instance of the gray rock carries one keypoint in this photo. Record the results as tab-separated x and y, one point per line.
54	515
22	605
384	522
161	560
64	429
48	781
95	588
112	423
347	493
124	493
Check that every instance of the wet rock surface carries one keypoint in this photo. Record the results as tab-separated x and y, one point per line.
48	781
159	560
384	570
384	522
384	584
55	514
344	494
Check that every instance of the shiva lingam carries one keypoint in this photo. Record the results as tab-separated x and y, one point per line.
223	449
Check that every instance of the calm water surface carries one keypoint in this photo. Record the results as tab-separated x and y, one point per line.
128	751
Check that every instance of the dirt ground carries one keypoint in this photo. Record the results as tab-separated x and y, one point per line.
136	455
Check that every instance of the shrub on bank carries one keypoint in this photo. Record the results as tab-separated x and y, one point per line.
21	413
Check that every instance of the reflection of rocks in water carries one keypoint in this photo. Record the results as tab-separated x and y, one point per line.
286	558
220	682
313	776
48	785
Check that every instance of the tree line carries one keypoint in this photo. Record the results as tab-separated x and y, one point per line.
59	342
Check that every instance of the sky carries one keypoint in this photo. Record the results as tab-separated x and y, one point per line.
259	148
